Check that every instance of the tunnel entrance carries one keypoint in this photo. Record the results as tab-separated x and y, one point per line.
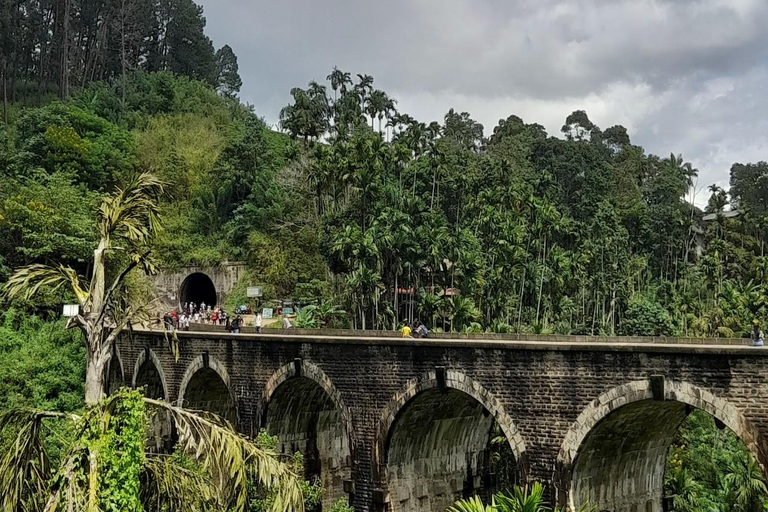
305	419
207	391
197	288
630	452
443	446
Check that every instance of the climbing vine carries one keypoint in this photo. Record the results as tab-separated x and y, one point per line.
114	437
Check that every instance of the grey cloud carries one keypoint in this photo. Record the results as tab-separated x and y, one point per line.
655	65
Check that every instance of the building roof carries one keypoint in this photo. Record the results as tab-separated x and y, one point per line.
727	214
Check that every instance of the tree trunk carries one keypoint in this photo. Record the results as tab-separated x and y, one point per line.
95	372
64	87
5	95
397	303
122	51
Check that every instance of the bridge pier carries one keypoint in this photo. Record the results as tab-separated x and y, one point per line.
404	425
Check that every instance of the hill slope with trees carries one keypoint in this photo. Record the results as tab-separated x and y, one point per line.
378	217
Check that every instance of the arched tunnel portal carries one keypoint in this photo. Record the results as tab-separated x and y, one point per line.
197	288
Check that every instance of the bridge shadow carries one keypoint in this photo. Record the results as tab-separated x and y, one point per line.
115	375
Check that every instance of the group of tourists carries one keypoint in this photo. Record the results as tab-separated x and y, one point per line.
416	330
201	314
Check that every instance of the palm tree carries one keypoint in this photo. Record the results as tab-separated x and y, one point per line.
327	312
461	311
744	483
128	220
683	491
339	80
520	499
107	468
363	88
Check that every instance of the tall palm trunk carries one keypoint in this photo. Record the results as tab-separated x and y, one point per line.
541	282
5	94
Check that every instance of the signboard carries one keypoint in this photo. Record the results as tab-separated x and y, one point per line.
266	313
287	311
71	310
253	291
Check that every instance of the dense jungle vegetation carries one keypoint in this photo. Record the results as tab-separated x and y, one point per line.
359	207
388	217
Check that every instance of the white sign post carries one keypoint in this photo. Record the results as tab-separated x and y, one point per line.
253	291
71	310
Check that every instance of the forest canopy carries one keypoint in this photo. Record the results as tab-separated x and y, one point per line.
353	203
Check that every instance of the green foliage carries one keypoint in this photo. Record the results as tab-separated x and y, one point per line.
48	218
519	499
306	319
61	138
645	317
106	467
711	469
261	500
115	439
342	505
42	365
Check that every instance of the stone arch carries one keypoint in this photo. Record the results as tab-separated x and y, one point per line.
614	454
149	372
198	287
206	386
115	373
433	440
303	408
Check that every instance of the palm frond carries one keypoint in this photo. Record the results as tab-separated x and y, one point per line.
471	504
523	499
233	460
132	212
169	485
25	468
27	281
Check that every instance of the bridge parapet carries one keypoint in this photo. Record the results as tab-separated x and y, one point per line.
553	338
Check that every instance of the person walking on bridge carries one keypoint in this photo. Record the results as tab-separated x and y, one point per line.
758	338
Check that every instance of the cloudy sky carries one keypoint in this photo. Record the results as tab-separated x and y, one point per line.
684	76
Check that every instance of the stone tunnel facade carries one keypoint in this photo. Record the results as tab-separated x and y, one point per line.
404	426
198	284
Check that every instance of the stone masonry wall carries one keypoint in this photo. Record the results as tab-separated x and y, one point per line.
550	399
224	278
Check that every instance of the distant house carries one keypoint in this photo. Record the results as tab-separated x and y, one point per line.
727	215
698	230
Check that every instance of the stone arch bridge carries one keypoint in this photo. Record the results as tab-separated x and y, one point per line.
403	425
